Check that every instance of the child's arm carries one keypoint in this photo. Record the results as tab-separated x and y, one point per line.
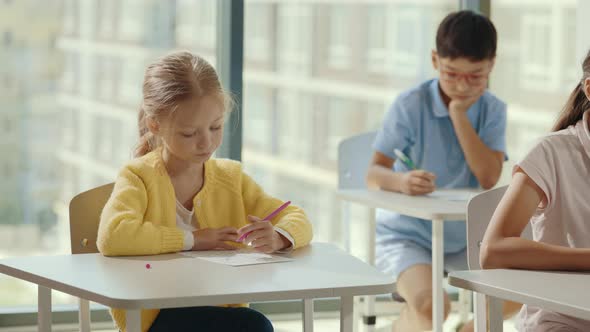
502	245
397	132
380	176
123	230
485	163
291	220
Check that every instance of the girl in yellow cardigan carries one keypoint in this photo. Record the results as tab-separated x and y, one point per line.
174	197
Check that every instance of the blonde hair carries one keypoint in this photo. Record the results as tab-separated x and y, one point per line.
170	80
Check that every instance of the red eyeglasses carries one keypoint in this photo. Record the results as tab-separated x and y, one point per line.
475	79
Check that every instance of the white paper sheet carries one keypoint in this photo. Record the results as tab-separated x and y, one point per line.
452	195
237	257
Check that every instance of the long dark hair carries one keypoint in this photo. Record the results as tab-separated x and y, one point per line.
577	103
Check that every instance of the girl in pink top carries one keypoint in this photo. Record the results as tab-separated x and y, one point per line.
549	189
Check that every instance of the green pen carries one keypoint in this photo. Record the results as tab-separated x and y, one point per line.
402	156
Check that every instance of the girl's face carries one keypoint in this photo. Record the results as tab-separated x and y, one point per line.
195	130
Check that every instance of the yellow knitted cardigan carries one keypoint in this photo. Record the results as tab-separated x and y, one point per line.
140	216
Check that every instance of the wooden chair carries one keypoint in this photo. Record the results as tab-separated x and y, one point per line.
85	210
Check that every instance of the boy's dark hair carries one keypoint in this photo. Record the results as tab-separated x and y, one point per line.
466	34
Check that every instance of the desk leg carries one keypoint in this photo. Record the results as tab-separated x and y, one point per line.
480	312
495	307
307	315
437	275
44	308
84	315
346	313
465	301
371	237
133	320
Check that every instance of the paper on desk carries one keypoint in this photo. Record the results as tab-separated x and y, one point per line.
237	257
452	195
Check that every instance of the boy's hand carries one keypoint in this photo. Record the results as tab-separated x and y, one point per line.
261	236
460	106
418	182
214	238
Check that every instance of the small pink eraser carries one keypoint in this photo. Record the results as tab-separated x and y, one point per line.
147	266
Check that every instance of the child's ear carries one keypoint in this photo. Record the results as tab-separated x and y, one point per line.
492	63
434	57
153	125
586	87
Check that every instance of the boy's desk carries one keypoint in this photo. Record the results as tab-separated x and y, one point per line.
444	205
563	292
175	280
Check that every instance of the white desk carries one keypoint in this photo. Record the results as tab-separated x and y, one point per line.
424	207
318	271
563	292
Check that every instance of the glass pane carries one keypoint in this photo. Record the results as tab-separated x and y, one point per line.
538	64
71	75
316	72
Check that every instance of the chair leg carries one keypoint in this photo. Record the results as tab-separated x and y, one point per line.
84	315
345	208
369	317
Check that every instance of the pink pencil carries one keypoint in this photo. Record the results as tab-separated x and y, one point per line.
269	217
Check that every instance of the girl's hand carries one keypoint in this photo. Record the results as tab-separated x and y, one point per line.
262	236
418	182
214	238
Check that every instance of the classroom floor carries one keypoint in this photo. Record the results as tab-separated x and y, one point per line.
383	325
332	324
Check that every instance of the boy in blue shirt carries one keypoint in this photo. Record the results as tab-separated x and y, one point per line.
453	129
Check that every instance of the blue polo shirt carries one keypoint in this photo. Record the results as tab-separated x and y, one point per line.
418	124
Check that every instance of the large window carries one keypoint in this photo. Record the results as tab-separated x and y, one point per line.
29	134
70	77
538	65
316	72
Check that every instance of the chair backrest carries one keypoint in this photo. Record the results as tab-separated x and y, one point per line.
479	213
354	155
85	210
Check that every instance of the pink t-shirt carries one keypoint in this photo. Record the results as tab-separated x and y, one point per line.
560	166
